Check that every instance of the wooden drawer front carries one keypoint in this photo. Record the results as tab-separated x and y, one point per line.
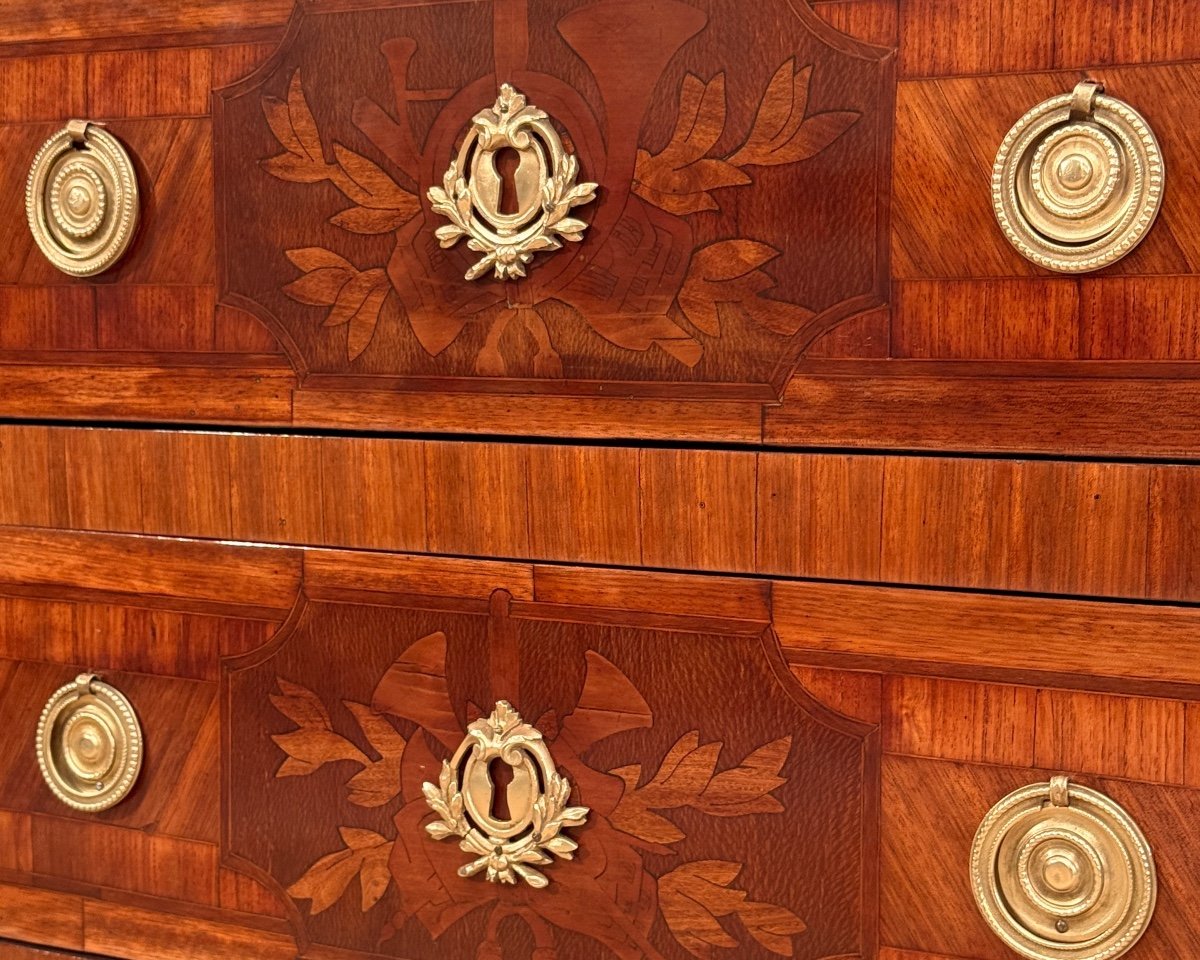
740	780
725	804
838	281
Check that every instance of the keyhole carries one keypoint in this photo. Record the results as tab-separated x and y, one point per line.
502	775
507	160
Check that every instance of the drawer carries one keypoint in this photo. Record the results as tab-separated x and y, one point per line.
756	772
791	239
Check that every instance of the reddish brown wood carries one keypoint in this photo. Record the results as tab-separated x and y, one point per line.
983	723
924	842
1131	737
613	708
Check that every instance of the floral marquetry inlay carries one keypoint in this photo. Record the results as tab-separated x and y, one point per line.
679	197
634	823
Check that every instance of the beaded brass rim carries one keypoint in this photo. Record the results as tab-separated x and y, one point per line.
1078	181
89	745
81	199
1061	872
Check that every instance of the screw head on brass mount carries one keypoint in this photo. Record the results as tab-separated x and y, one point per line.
1078	181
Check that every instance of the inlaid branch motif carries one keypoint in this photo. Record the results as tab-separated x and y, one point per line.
365	856
679	178
692	899
356	298
695	897
688	778
380	204
314	743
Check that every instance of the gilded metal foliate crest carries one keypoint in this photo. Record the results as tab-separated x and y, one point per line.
81	199
89	745
507	848
1078	181
472	191
1061	872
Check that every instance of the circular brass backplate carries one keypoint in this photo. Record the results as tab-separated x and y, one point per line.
89	745
81	199
1078	181
1063	873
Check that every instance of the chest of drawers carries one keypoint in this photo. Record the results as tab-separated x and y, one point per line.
556	479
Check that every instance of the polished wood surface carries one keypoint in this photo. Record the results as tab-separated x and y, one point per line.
803	516
944	338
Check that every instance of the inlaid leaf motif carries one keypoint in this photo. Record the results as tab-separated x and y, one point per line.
728	273
782	132
696	896
355	297
678	179
380	204
316	743
379	782
313	744
365	856
687	777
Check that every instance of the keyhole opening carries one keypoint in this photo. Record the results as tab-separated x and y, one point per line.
507	160
502	775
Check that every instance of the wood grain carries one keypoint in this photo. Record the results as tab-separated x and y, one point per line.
820	515
953	720
973	635
150	83
921	838
140	934
945	147
646	591
1047	408
698	509
47	318
372	493
118	859
1033	526
51	919
585	504
1133	737
42	88
857	695
939	37
78	20
874	21
1174	533
149	567
477	495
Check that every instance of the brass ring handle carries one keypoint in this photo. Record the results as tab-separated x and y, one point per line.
81	199
89	745
1078	181
1061	872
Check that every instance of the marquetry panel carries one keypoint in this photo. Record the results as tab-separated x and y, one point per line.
686	283
709	792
